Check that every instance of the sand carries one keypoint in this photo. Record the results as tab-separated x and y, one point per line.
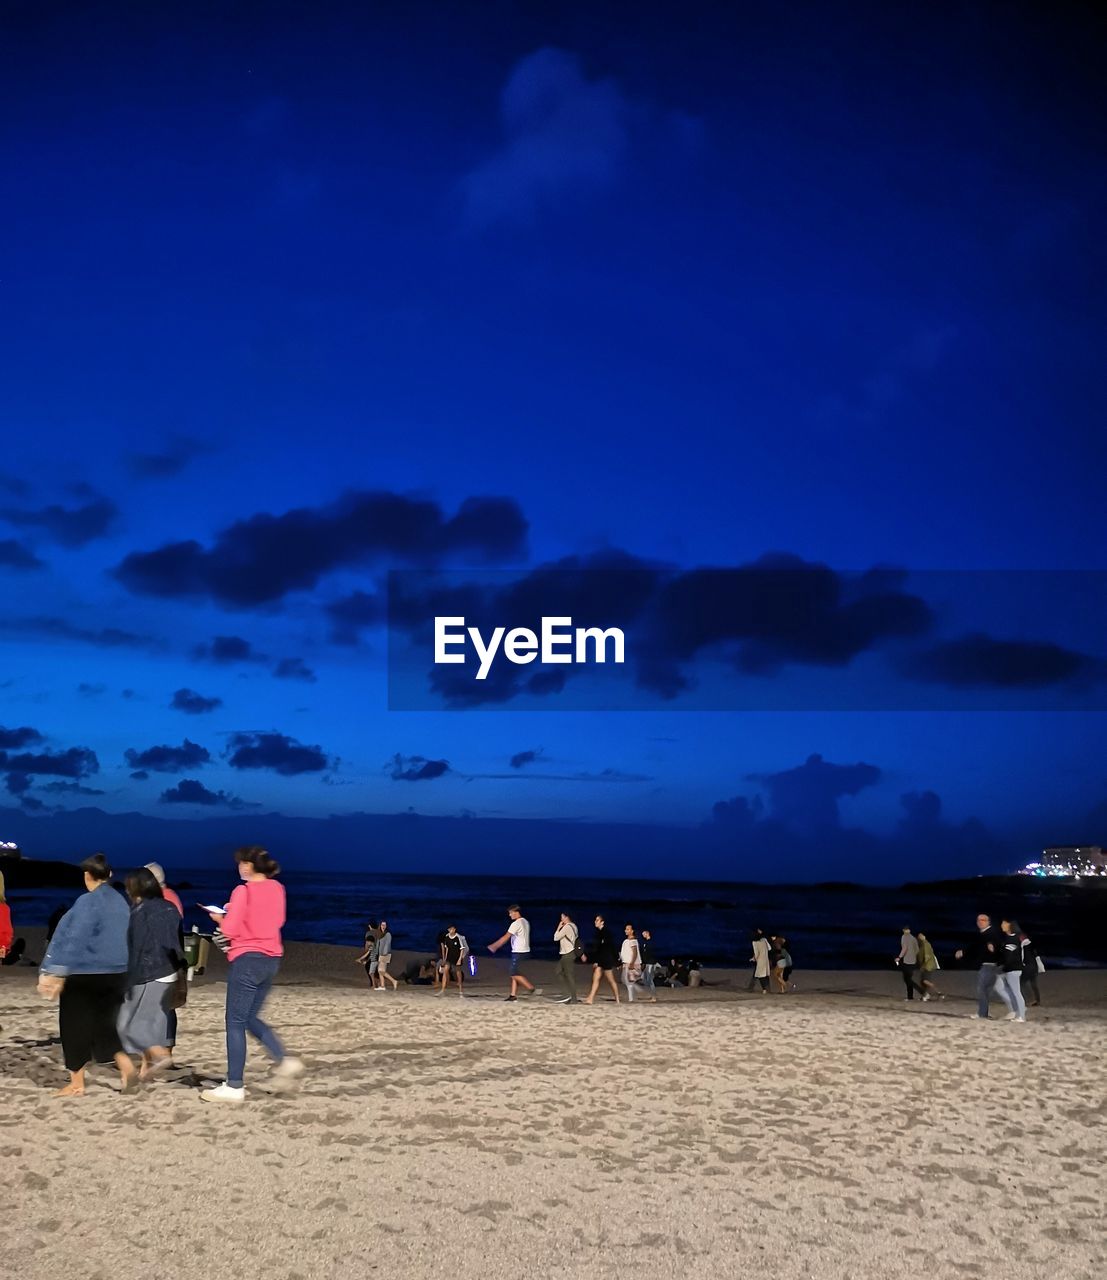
832	1132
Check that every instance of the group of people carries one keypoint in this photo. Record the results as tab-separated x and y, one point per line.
771	961
1006	961
116	965
377	956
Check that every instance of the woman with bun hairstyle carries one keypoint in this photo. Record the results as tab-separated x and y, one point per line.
252	922
85	969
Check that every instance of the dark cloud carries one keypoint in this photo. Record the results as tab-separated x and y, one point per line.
140	775
76	762
16	555
415	768
170	462
226	650
521	758
166	759
758	618
981	661
77	788
275	751
18	783
13	739
262	559
294	669
59	629
91	690
584	775
353	613
17	487
192	791
807	796
69	527
193	703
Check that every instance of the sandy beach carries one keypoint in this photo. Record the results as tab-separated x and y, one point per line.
832	1132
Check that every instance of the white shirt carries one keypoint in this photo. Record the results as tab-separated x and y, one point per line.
566	936
520	935
628	952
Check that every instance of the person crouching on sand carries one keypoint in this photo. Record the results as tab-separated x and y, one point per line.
253	922
605	959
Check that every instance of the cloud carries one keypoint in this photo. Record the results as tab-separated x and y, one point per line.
166	759
69	527
192	791
351	614
77	788
566	135
17	783
521	758
807	796
59	629
225	650
584	775
192	703
275	751
415	768
294	669
981	661
14	485
91	690
140	775
16	555
169	462
13	739
262	559
758	618
76	762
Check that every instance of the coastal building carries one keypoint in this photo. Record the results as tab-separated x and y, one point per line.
1069	860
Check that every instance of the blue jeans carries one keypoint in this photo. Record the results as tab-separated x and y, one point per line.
251	976
1009	983
985	985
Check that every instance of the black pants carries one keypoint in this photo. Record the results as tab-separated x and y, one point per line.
908	971
87	1013
1030	979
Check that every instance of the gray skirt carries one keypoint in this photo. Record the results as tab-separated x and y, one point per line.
143	1020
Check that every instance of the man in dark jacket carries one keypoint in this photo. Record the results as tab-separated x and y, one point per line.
983	953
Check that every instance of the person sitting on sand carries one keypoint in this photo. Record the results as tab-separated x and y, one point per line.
518	935
85	969
605	959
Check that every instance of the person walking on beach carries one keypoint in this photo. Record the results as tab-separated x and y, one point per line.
518	935
649	959
453	953
908	961
85	969
368	957
1010	969
384	956
630	956
983	952
928	966
1031	967
760	961
605	958
567	937
155	962
782	970
252	923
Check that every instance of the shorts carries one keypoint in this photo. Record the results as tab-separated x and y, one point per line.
517	957
383	962
371	967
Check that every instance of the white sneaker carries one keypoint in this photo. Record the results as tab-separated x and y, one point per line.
289	1068
1020	1019
925	998
1013	1017
223	1093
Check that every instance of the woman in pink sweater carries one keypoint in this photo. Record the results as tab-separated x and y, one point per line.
252	921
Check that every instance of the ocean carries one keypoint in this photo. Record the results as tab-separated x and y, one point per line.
829	926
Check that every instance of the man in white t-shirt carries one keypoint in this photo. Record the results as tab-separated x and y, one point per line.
518	934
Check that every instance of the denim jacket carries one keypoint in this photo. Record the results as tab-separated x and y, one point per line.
91	937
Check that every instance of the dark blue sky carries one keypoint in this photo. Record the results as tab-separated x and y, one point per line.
696	285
